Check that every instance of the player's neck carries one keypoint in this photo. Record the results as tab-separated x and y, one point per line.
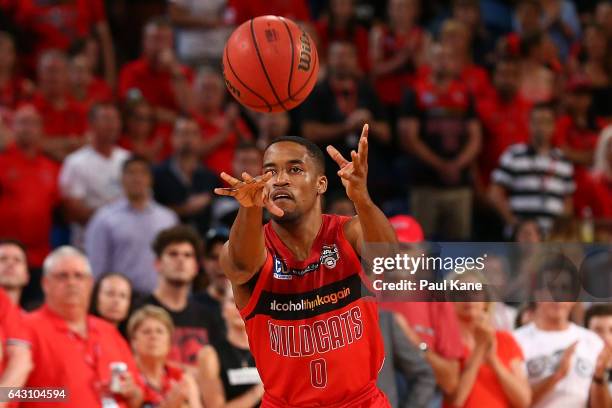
174	297
300	235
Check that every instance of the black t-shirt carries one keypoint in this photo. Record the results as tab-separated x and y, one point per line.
233	358
170	188
194	327
443	117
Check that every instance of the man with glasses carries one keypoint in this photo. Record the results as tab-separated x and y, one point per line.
72	349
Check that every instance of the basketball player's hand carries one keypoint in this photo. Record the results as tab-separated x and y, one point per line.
250	191
354	173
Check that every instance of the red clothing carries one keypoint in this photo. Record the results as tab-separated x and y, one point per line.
359	37
58	24
583	140
156	87
13	91
221	158
71	120
434	322
474	77
487	391
97	91
503	124
296	10
28	193
390	87
312	326
62	358
158	142
597	196
155	396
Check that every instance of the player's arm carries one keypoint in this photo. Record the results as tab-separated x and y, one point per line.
244	254
370	224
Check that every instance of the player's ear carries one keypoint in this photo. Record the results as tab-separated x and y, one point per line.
321	185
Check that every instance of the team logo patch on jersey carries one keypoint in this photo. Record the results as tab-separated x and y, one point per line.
329	256
280	271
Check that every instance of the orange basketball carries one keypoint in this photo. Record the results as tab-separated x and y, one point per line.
270	64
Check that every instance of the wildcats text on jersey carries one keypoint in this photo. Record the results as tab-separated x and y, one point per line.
318	337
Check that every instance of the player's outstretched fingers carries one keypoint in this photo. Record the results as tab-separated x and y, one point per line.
247	177
337	156
273	208
365	131
225	191
232	181
357	170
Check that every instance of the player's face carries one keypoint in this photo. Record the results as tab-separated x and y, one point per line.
13	267
602	325
296	183
68	285
178	264
151	338
113	301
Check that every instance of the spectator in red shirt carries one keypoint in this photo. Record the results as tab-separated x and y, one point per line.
504	116
296	10
599	192
13	87
58	24
28	187
141	134
340	24
493	373
590	60
15	355
457	37
72	349
157	75
150	331
64	119
396	50
576	134
14	275
222	130
87	88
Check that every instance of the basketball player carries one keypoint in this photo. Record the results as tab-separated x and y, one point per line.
313	329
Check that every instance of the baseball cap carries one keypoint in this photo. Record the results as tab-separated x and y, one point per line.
407	228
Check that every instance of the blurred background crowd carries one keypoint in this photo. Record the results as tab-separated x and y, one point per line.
489	121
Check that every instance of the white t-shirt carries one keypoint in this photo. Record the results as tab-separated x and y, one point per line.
193	43
93	178
543	350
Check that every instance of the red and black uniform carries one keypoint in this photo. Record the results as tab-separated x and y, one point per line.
313	325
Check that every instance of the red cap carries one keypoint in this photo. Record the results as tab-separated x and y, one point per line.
407	228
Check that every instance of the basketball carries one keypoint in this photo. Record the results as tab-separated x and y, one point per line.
270	64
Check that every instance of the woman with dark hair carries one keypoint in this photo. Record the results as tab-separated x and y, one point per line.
112	297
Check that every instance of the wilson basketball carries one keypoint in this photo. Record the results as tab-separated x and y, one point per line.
270	64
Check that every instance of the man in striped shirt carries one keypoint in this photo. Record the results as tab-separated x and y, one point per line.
534	180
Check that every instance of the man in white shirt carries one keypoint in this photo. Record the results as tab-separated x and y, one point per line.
90	177
598	318
560	356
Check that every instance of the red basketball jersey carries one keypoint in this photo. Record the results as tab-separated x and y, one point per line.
313	325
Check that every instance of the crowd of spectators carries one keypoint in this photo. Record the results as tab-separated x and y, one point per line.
489	121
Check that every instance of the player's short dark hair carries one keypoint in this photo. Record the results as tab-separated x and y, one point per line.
313	150
597	310
177	235
14	242
136	159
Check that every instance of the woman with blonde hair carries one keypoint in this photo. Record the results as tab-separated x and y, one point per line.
492	373
599	195
166	386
